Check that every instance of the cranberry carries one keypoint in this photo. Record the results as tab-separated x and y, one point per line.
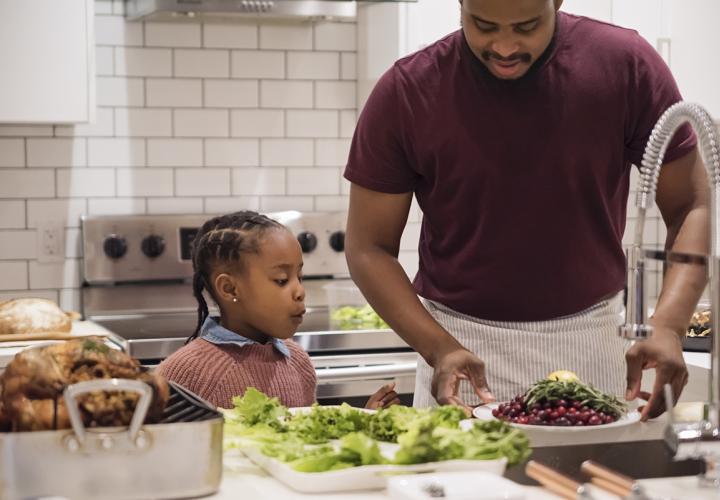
583	416
576	405
547	405
579	423
562	421
506	410
561	411
584	408
562	403
594	420
522	420
536	406
517	407
572	417
512	413
535	411
495	412
609	419
554	415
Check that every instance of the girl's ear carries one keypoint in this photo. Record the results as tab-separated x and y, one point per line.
226	287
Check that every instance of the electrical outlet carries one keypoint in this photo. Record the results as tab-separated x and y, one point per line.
51	241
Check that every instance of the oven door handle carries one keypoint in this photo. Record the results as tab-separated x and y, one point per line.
347	374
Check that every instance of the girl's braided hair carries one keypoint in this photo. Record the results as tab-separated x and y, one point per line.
221	241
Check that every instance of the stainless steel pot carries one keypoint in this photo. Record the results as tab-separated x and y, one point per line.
179	457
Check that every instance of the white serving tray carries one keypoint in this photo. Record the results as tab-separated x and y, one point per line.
364	477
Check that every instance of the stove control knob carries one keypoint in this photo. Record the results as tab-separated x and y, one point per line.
308	241
115	246
153	245
337	241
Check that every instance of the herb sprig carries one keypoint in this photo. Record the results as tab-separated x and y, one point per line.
587	395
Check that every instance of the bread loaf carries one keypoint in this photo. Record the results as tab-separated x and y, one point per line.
33	316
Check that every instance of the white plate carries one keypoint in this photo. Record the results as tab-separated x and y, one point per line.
364	477
454	486
484	412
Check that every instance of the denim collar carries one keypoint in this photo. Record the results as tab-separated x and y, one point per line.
215	333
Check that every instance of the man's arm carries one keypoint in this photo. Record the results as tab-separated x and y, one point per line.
682	197
375	224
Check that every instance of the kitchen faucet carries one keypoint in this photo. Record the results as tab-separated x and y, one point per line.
698	439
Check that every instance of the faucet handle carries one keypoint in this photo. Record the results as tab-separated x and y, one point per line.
635	332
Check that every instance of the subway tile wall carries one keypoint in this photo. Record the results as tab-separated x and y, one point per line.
191	118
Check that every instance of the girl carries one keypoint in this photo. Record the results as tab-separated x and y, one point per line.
251	266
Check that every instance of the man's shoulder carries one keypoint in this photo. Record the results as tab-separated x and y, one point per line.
429	62
601	37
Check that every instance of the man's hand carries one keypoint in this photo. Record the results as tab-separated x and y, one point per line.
383	397
450	369
662	351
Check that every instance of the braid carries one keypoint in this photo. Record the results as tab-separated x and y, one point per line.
221	241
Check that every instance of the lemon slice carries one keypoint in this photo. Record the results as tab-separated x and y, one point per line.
564	375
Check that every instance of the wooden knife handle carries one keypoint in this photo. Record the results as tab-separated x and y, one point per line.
596	470
553	480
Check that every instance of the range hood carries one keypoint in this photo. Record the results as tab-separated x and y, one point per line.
208	10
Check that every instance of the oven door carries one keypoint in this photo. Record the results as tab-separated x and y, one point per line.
353	378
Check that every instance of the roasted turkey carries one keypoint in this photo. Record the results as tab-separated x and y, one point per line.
33	316
33	383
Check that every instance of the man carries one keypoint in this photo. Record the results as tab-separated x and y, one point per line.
517	135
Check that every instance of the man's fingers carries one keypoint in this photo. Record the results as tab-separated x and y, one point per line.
656	403
634	372
476	376
447	386
388	397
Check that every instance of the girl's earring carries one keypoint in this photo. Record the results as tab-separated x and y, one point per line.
234	299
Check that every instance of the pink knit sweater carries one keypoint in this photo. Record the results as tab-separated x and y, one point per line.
217	373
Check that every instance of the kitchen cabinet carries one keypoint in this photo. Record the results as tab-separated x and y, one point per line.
47	60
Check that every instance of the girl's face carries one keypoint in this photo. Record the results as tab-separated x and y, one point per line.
269	291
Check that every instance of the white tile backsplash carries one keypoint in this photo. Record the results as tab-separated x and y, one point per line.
116	206
336	36
68	210
178	92
257	123
143	62
257	64
144	182
191	118
26	183
143	122
202	123
202	182
81	183
102	126
286	94
174	152
286	153
258	181
230	36
173	35
120	91
231	94
17	245
313	181
116	152
113	30
68	152
312	123
232	152
219	205
104	61
313	65
286	36
64	274
175	205
205	63
336	95
12	214
332	152
12	152
14	275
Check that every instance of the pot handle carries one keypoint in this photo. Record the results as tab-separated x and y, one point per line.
111	385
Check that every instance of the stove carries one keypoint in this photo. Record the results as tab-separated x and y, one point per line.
137	275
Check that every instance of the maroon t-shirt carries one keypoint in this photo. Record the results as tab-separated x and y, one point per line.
523	184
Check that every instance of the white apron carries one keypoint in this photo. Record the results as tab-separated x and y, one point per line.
517	354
